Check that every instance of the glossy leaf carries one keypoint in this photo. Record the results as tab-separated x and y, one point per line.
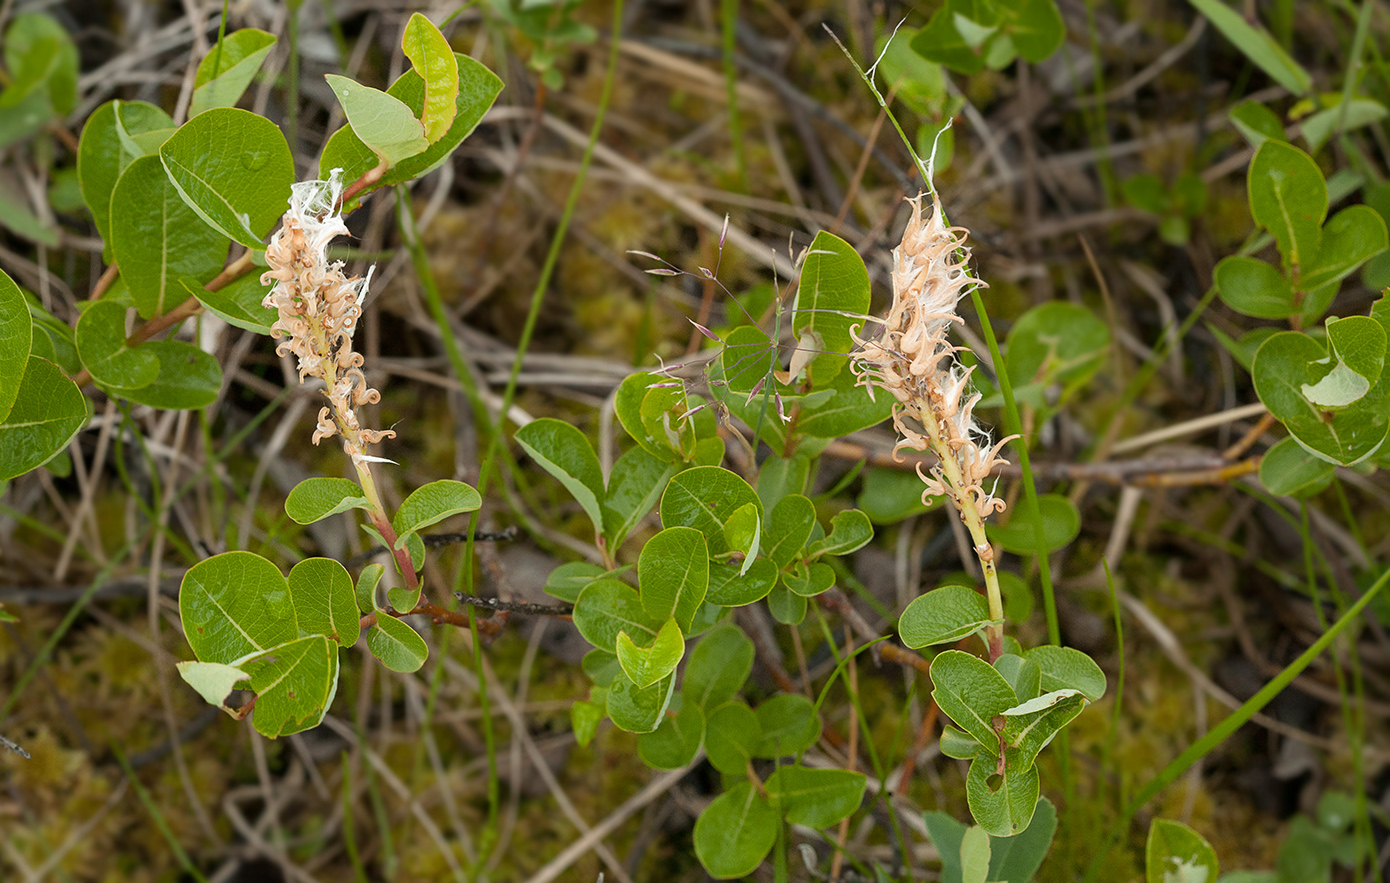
101	344
294	685
627	405
324	600
1349	238
1061	524
432	503
314	499
1174	853
16	340
235	605
833	295
634	487
730	587
188	378
718	667
607	607
735	833
971	693
810	581
943	616
673	572
645	666
398	646
704	498
1288	470
433	61
816	798
789	725
850	531
959	745
1254	287
1288	197
48	412
565	452
1002	805
1066	668
639	709
743	533
238	303
365	589
1030	726
732	736
478	88
788	528
674	743
780	476
211	157
228	68
381	121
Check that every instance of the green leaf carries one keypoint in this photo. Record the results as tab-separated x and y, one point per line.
238	303
1066	668
809	581
789	528
42	61
1037	30
1257	123
786	606
1174	853
718	667
1030	726
433	61
403	599
210	159
704	498
639	709
213	680
235	605
568	580
780	476
1288	470
607	607
850	531
106	150
1255	288
1319	127
847	410
48	412
957	744
52	340
946	835
1257	45
294	684
833	295
789	725
732	735
971	693
1061	525
478	88
1290	363
1288	197
314	499
188	378
16	340
735	833
744	532
627	405
1024	677
943	616
383	122
974	855
1017	859
584	719
634	487
815	798
1002	805
891	495
101	344
398	646
565	452
730	587
1057	343
1145	192
673	744
432	503
918	83
228	68
645	666
324	600
601	666
673	571
365	590
1349	239
940	41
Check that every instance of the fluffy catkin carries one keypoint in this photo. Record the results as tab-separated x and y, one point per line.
913	359
318	308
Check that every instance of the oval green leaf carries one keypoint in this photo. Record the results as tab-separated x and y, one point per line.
314	499
430	504
943	616
48	411
398	646
735	833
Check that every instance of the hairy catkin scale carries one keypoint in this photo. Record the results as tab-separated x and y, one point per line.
913	359
318	308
